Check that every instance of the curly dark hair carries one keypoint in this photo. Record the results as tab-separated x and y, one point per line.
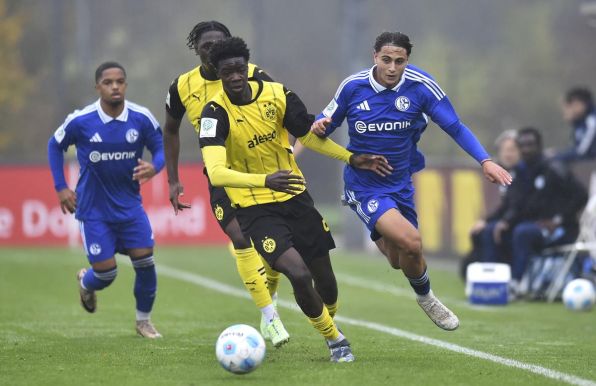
107	65
233	47
201	28
397	39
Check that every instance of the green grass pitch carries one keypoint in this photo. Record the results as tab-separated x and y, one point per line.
47	339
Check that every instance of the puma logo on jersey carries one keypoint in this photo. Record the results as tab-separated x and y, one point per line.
258	139
196	97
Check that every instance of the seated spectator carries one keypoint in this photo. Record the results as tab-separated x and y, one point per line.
507	155
578	111
541	207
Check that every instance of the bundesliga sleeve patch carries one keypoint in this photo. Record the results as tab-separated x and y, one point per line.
59	134
208	126
330	109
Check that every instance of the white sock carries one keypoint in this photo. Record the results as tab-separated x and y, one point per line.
143	315
269	312
340	337
425	297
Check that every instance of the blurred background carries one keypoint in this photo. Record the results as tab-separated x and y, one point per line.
504	64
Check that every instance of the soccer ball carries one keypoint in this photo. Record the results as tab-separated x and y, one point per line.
240	349
579	295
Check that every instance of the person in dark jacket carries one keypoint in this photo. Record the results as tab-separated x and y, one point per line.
579	112
541	207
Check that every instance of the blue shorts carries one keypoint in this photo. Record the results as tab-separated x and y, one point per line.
102	240
370	206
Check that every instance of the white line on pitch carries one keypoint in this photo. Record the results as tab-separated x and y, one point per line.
385	288
237	292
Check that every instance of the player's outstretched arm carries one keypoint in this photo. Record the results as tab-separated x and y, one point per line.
171	142
495	173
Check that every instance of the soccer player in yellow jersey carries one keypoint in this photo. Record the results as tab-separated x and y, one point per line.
244	139
188	94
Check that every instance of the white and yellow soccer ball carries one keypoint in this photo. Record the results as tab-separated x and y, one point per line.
579	295
240	349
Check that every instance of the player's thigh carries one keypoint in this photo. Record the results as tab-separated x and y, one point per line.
398	232
99	243
310	232
134	237
222	208
268	230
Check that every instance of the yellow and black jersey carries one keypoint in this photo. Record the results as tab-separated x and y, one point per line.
190	92
255	136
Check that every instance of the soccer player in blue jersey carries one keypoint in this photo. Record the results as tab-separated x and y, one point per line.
387	108
109	136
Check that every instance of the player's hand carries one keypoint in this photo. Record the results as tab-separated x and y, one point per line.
500	227
375	163
478	227
496	174
283	181
177	191
68	200
319	127
143	171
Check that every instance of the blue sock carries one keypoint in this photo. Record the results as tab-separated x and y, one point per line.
98	280
145	283
421	285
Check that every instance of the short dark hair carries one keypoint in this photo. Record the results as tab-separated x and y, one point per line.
233	47
530	131
201	28
581	94
397	39
106	65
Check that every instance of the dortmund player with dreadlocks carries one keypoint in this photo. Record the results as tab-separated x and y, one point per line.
189	93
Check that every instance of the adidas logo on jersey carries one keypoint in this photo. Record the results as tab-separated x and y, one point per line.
95	138
363	106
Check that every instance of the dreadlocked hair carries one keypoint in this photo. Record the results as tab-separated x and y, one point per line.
202	27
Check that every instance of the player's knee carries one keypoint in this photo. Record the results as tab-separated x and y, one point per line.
411	247
300	278
237	237
106	277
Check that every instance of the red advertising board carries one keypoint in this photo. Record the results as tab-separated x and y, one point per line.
30	213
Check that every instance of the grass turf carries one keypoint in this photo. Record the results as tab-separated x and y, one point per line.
47	339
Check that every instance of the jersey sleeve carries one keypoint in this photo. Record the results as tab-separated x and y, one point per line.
260	74
337	108
174	105
154	142
296	119
441	111
215	126
63	137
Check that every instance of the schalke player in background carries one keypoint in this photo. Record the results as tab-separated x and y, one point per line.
387	109
109	136
188	94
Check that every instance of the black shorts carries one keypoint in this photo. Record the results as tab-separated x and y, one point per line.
276	227
221	205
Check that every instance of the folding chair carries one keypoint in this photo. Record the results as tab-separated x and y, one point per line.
586	242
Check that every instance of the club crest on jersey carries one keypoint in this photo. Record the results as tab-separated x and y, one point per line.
372	206
269	244
94	249
219	213
270	112
402	103
132	135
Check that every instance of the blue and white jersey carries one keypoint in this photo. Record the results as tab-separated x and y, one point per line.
390	122
107	151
